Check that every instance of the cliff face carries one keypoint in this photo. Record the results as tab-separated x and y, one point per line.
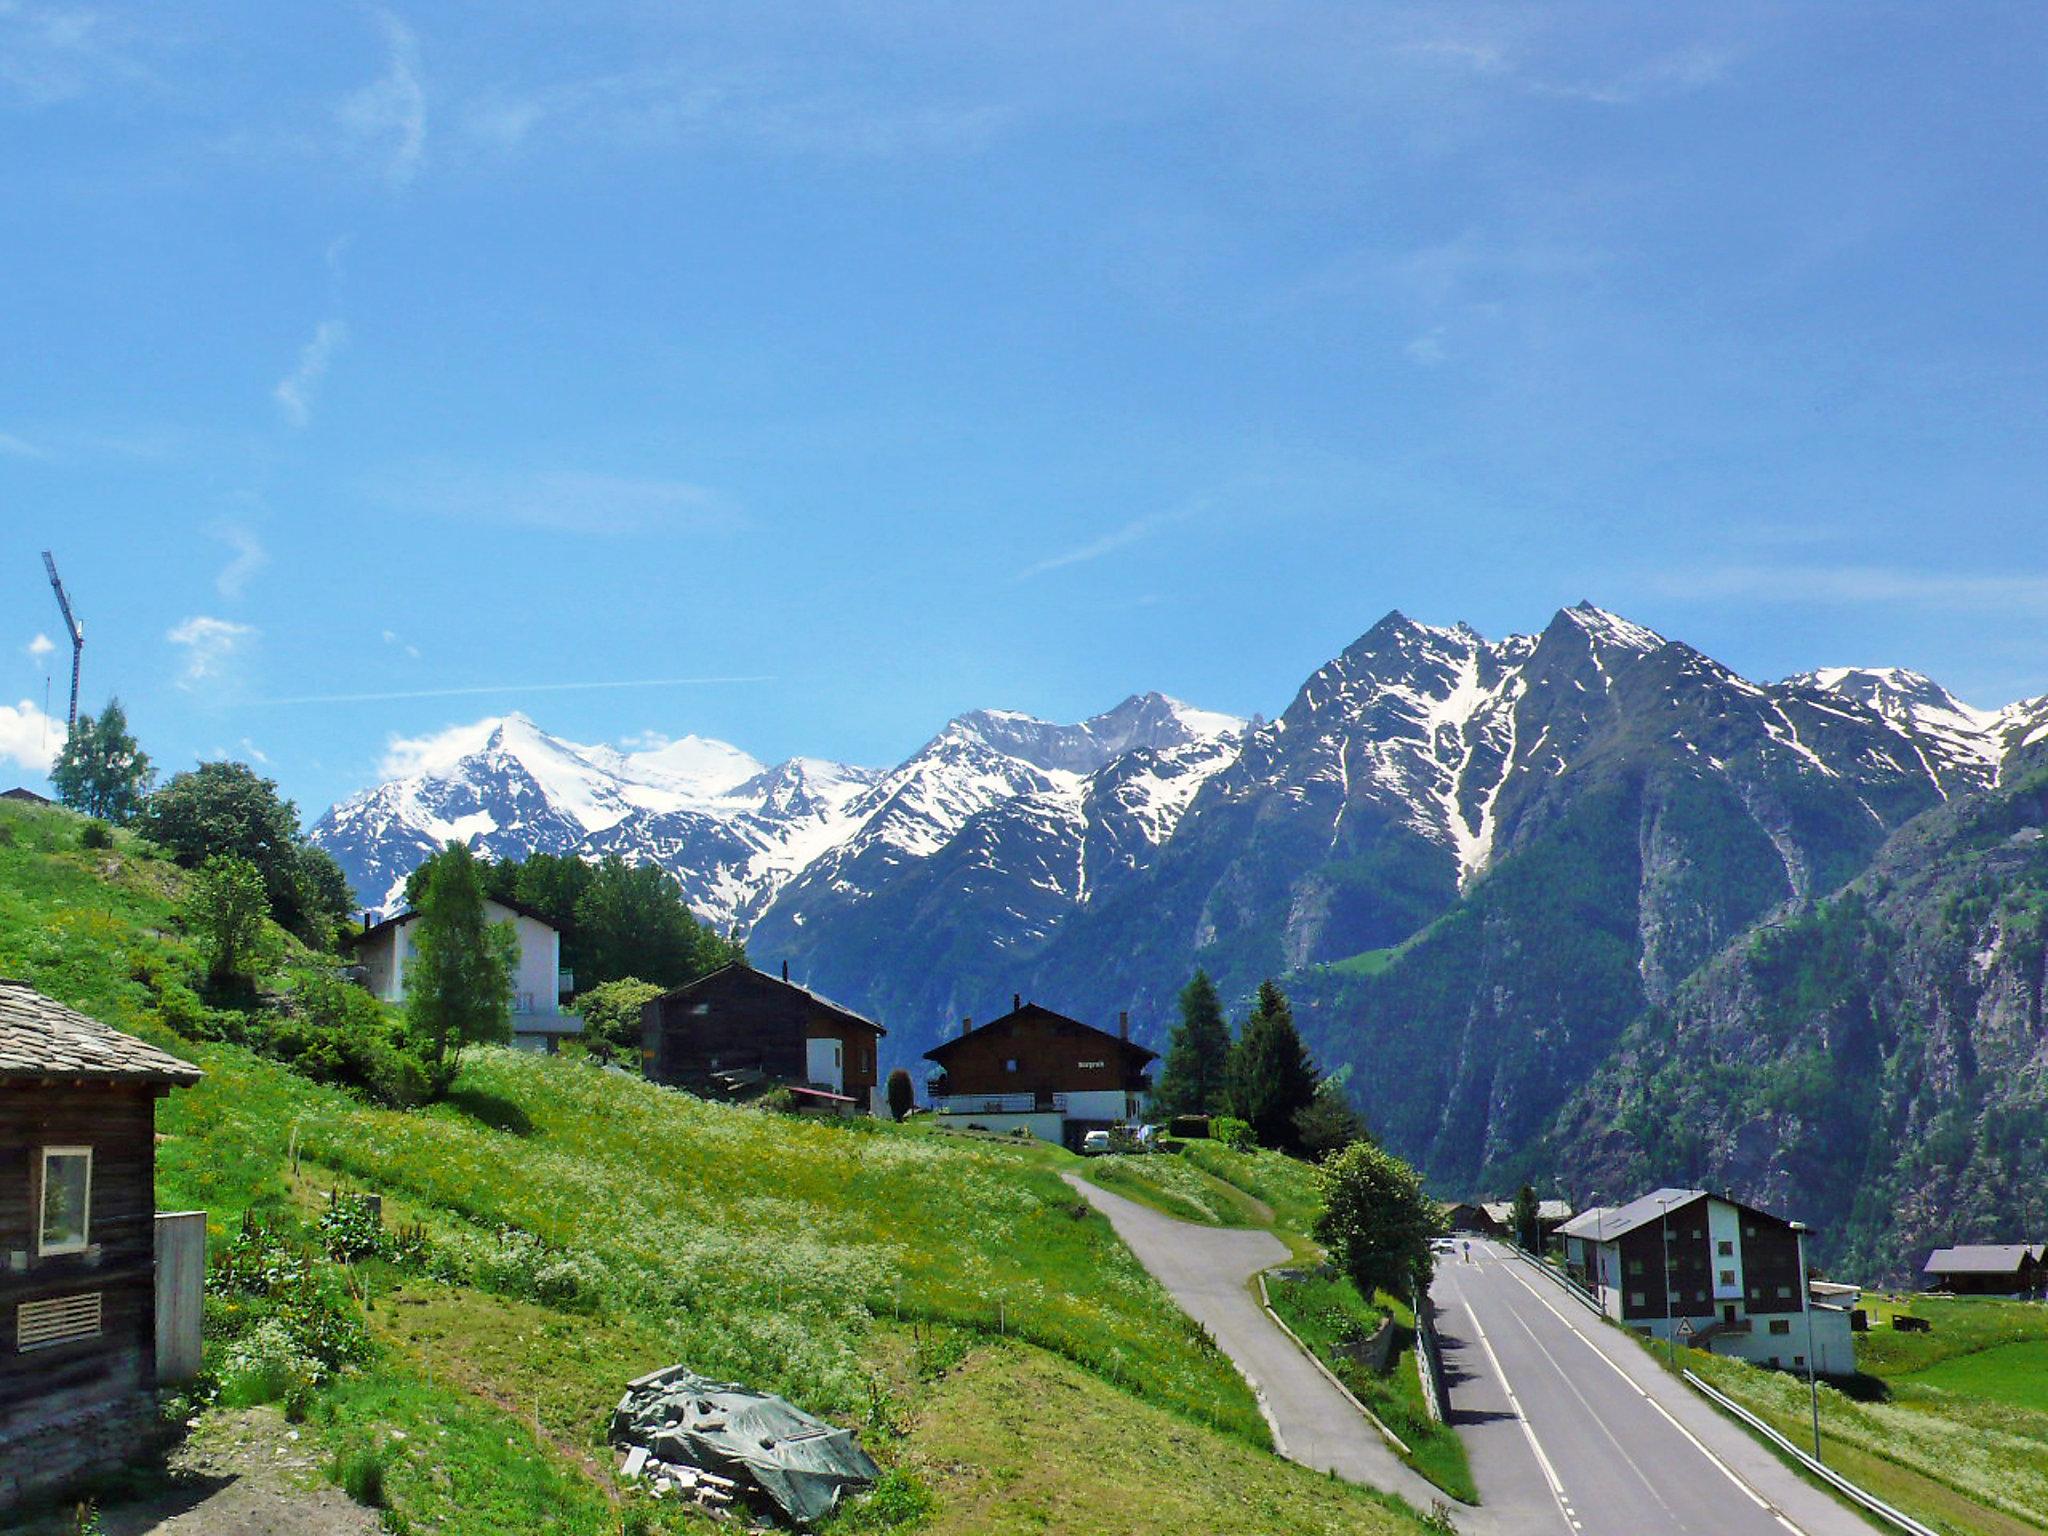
1877	1065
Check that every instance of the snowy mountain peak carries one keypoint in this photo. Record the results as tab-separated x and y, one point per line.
1970	742
1611	629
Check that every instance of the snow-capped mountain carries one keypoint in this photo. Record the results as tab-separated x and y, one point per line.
1966	747
734	832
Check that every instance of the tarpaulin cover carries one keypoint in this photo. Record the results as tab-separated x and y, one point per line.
803	1465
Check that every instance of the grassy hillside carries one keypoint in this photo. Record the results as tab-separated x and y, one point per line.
567	1228
1952	1425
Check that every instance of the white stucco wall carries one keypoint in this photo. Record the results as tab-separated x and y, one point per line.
534	979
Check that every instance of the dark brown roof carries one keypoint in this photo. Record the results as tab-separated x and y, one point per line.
28	796
40	1037
739	970
1029	1011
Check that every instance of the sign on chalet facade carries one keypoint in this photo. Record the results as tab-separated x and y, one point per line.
1042	1071
78	1295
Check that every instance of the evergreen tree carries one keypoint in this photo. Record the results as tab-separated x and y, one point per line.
1523	1223
458	984
1329	1124
101	770
902	1094
632	921
1193	1077
1271	1077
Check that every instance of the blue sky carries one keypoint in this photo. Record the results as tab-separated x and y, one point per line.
875	362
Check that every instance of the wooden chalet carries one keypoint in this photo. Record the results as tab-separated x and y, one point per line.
1988	1269
1037	1070
738	1031
78	1293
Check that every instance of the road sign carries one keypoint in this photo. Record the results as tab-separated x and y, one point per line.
1685	1327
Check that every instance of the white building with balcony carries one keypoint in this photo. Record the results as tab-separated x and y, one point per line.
538	1022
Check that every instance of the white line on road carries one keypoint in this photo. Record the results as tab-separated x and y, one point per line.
1521	1418
1727	1471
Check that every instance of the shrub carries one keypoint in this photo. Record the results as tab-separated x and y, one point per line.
1376	1220
96	834
902	1094
896	1500
779	1100
1234	1133
335	1032
360	1471
611	1016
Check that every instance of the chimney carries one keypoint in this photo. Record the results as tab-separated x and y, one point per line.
1123	1025
368	918
785	970
966	1025
1016	1001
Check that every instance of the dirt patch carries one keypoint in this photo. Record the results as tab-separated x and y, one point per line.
240	1473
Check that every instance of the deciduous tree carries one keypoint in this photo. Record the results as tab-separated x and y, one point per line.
1376	1221
458	984
101	770
224	912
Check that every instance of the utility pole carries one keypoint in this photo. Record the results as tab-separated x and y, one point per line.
1670	1343
1806	1308
72	628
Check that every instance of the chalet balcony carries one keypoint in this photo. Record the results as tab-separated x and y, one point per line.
1000	1103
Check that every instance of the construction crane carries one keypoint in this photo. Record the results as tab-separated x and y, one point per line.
72	627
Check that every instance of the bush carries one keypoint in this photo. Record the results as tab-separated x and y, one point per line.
1234	1133
902	1094
334	1032
1376	1220
779	1100
360	1471
96	834
611	1017
1190	1127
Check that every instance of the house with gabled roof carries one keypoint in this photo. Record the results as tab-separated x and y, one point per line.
1987	1269
1715	1273
383	950
1040	1071
79	1292
737	1032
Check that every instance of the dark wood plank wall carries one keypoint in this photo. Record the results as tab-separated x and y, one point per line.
750	1020
118	1122
1052	1055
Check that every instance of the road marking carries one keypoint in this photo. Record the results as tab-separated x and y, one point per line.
1697	1444
1528	1431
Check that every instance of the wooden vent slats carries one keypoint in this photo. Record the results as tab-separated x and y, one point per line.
57	1320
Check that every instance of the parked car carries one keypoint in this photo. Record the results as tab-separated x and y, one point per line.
1095	1144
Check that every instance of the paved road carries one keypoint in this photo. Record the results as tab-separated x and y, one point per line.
1208	1270
1571	1429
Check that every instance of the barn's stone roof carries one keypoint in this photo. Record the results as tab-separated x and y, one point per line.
40	1037
1981	1259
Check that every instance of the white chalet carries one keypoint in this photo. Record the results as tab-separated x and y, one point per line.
538	1022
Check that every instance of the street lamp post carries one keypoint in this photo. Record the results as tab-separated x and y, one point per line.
1670	1344
1806	1308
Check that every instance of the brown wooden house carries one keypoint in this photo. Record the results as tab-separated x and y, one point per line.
1988	1269
1043	1072
77	1239
739	1030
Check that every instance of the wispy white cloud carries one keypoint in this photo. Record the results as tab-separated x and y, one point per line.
559	501
249	558
51	54
296	391
1135	531
389	115
21	448
1806	585
253	753
1427	349
29	738
398	643
40	647
482	689
1671	74
671	104
211	647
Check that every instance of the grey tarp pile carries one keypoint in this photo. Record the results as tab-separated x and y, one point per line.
802	1465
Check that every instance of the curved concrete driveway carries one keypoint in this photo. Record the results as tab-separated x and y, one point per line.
1208	1270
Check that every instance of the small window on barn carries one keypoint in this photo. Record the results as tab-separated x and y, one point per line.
1010	1065
1635	1298
1727	1248
699	1010
1784	1293
66	1212
1781	1325
1727	1277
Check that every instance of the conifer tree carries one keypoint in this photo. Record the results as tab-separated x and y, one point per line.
1271	1079
1193	1078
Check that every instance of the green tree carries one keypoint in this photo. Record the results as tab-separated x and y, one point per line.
611	1016
228	809
1328	1124
1524	1224
1271	1077
1193	1078
1376	1221
458	984
101	770
902	1094
224	911
632	921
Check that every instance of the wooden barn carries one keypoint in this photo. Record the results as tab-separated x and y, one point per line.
739	1030
78	1294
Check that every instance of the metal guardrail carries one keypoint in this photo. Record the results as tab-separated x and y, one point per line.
1429	1364
1820	1469
1572	1288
